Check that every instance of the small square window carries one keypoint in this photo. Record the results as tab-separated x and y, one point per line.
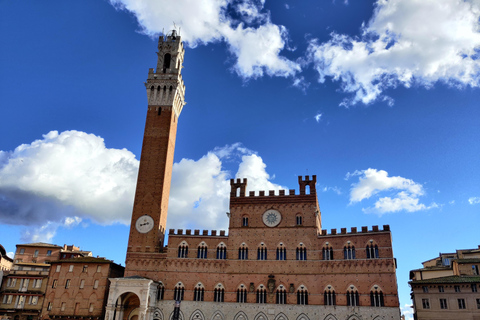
426	304
461	303
99	268
90	308
67	284
85	268
82	283
95	284
36	253
54	284
474	287
457	288
478	303
49	253
49	308
425	289
245	222
63	306
441	289
22	251
70	269
58	268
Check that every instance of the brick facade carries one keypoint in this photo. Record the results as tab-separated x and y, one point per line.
275	261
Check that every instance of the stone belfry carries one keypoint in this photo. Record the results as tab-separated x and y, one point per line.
165	92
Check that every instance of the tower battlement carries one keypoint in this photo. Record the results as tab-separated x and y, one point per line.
238	188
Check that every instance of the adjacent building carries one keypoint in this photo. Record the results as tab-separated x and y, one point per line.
447	287
77	288
23	289
276	262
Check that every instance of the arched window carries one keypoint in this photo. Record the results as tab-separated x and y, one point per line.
183	250
372	250
301	252
329	296
198	292
170	89
261	294
243	252
327	252
353	298
302	296
349	251
242	294
281	295
221	251
219	293
160	291
262	252
178	292
298	219
376	297
166	61
281	252
202	251
245	221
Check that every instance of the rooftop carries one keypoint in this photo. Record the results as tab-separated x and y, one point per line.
449	279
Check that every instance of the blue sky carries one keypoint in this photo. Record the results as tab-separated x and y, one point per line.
379	100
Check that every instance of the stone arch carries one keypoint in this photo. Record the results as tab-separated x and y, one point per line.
129	303
217	315
281	316
303	316
261	316
157	314
180	316
197	315
240	316
330	317
354	317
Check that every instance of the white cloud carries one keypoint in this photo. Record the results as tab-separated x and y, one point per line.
251	36
371	182
318	117
406	42
407	311
474	200
335	189
64	178
200	190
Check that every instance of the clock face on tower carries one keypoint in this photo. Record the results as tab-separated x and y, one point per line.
271	218
144	224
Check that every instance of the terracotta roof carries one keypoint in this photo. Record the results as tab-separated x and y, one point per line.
39	244
84	260
449	279
32	264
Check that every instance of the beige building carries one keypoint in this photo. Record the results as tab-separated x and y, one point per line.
447	286
78	287
276	262
6	262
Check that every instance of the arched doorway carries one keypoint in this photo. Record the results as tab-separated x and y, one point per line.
127	307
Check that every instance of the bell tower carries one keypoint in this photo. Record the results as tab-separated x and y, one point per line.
165	93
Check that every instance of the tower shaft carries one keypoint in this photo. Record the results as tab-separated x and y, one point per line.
165	92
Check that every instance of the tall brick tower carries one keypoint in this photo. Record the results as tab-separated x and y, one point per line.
165	92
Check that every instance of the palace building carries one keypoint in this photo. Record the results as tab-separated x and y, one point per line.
276	262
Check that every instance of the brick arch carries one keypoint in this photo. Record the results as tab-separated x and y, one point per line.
180	316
